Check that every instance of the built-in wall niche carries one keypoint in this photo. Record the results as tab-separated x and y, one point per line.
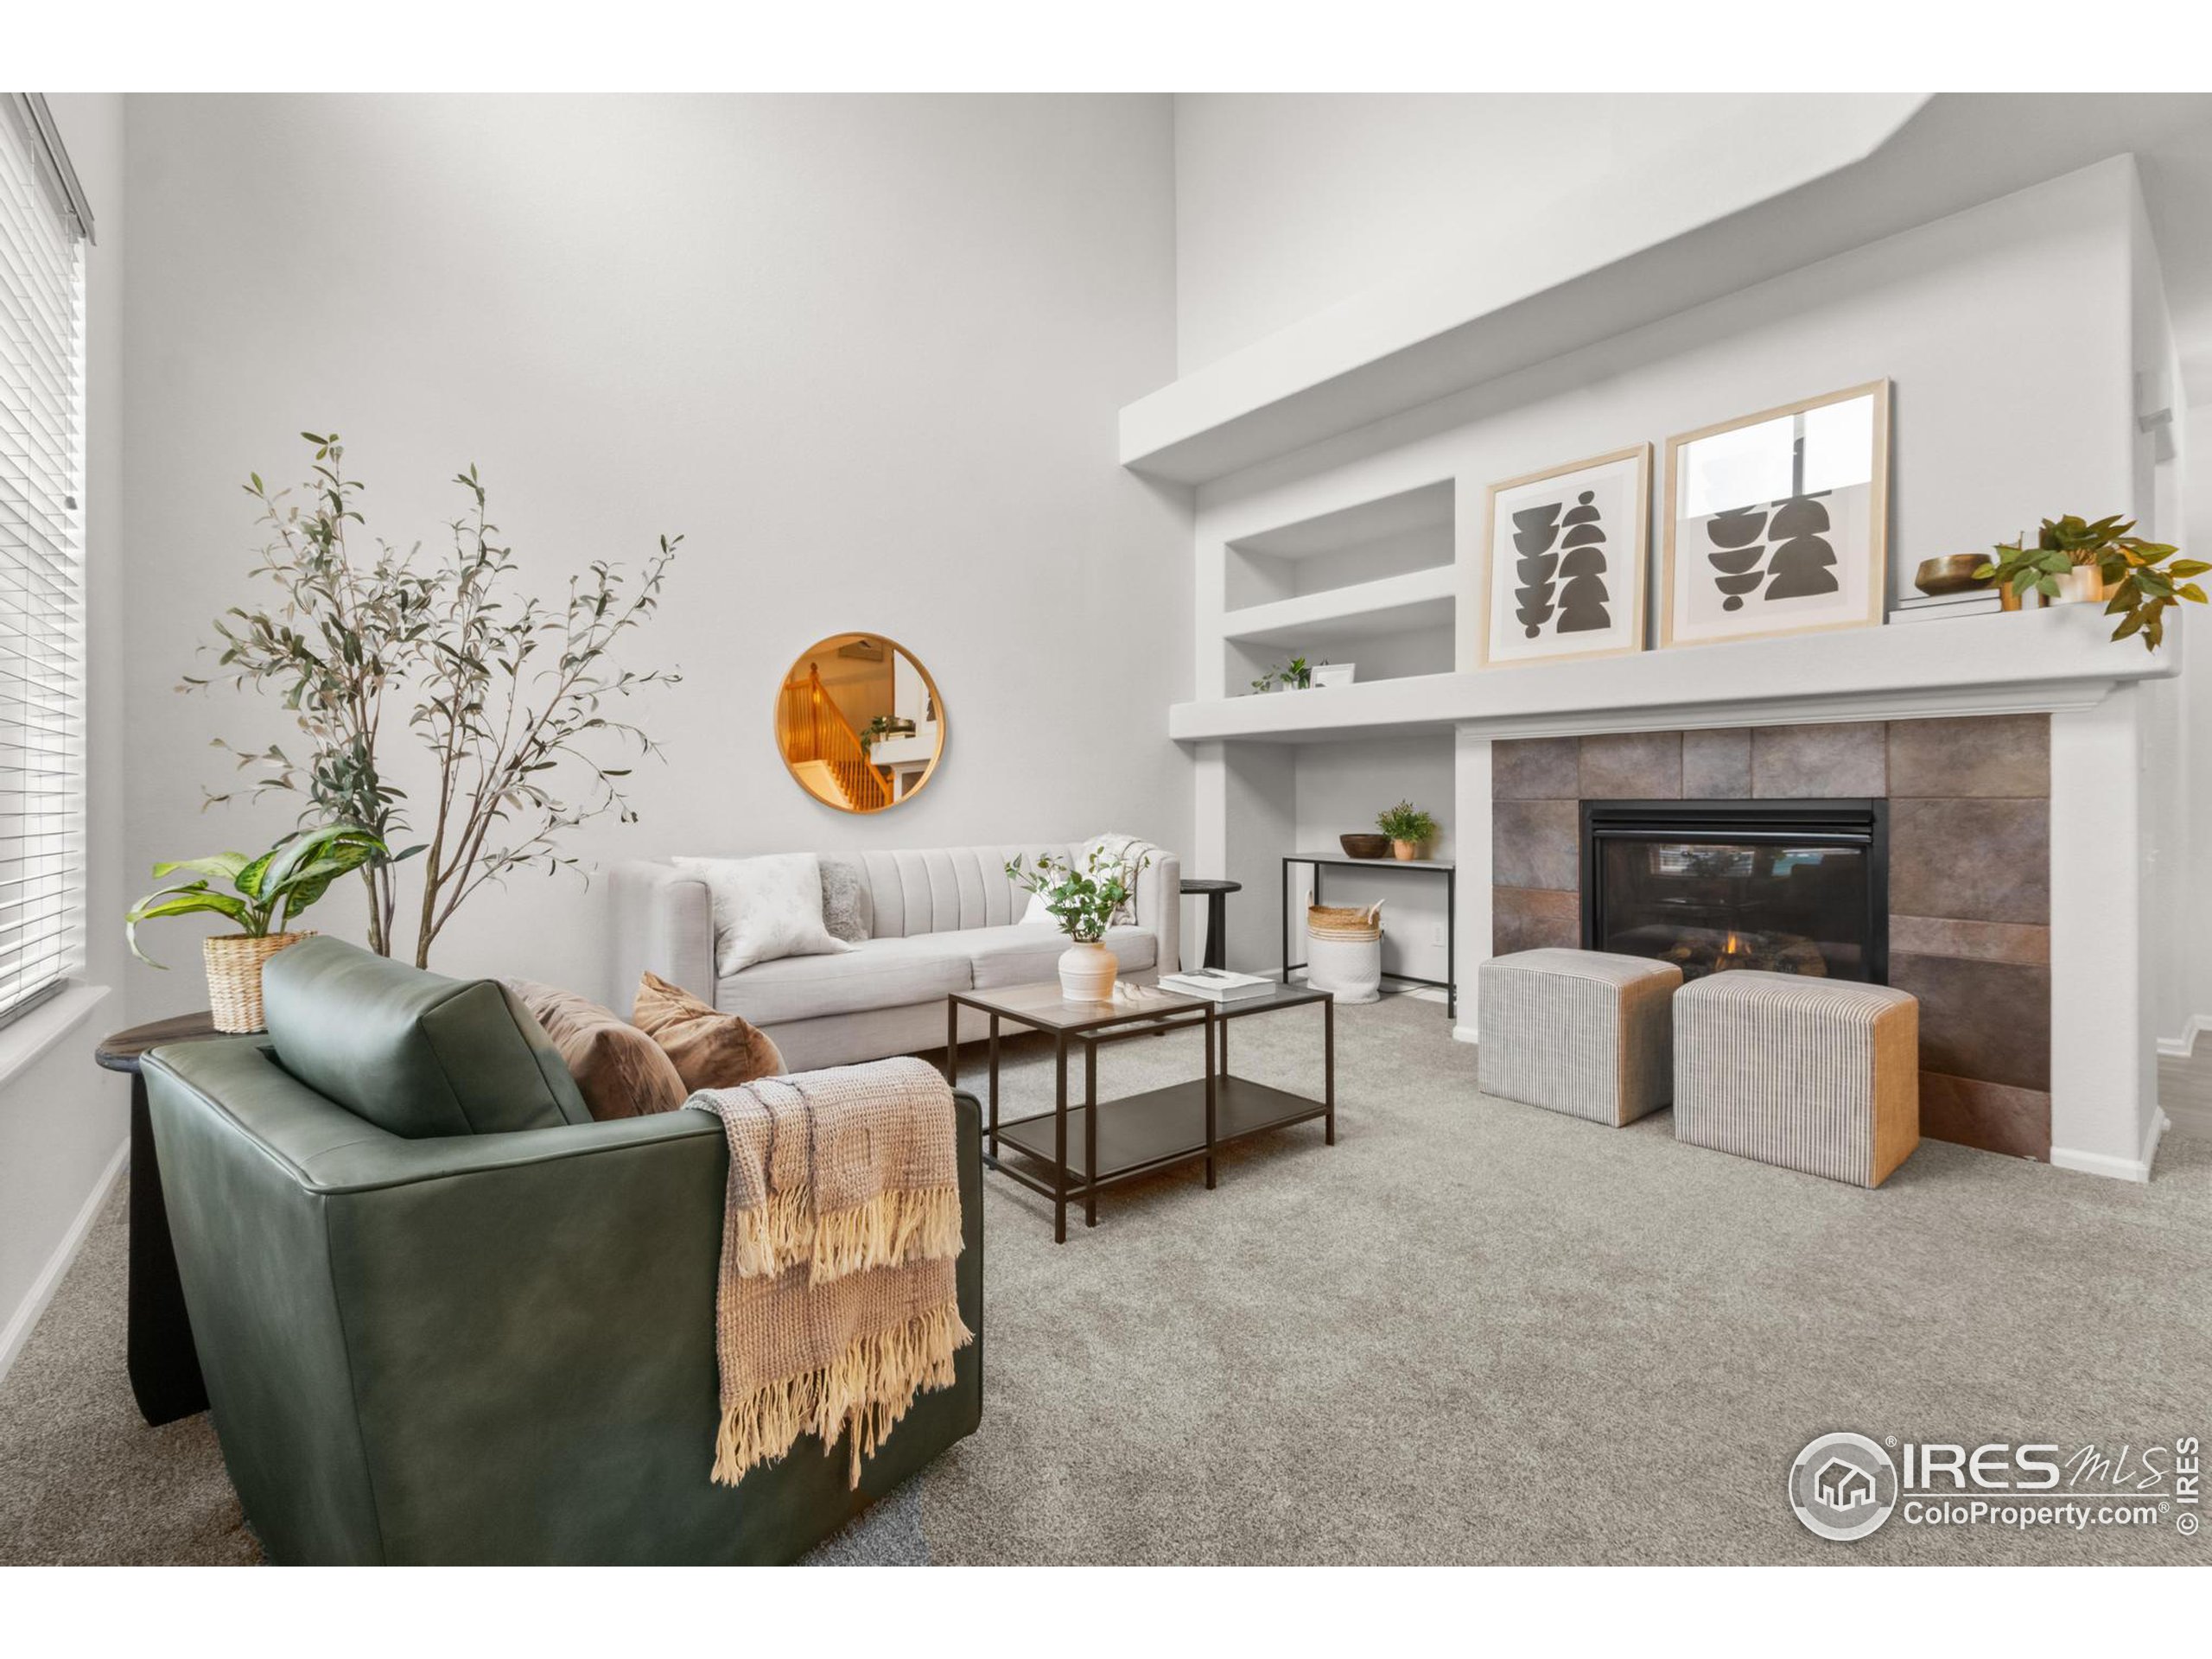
1371	584
1391	536
1376	653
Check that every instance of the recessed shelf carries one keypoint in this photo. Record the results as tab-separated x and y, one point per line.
1418	599
1394	535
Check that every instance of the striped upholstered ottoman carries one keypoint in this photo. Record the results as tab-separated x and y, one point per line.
1818	1075
1578	1031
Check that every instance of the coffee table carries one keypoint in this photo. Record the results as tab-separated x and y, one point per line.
1090	1144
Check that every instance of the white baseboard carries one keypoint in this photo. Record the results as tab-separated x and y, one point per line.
1463	1034
2119	1169
25	1318
2181	1047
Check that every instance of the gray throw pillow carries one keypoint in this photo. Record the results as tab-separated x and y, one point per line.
844	900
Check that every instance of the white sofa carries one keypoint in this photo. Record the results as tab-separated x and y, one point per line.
939	920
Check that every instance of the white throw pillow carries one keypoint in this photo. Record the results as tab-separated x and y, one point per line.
765	908
1037	912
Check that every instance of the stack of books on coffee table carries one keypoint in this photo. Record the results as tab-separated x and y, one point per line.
1216	984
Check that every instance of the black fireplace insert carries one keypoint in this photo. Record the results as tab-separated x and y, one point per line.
1789	886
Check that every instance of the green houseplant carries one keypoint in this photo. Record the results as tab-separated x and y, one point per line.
2138	581
1083	903
1407	826
264	895
509	696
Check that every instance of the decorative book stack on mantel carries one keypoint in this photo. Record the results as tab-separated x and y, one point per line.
1931	607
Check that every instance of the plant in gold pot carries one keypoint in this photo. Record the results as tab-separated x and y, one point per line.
265	894
2074	560
1084	904
1409	828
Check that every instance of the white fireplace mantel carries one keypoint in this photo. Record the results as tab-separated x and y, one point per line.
2054	661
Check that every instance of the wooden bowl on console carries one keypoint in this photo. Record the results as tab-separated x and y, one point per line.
1365	846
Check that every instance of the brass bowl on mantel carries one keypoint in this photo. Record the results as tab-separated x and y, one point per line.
1953	573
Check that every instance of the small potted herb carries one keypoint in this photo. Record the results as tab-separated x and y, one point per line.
1298	676
1409	828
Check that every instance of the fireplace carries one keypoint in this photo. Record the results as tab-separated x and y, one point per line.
1791	886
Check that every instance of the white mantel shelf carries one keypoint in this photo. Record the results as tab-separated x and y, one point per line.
2023	663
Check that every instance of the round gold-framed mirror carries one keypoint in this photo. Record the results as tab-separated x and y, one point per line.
858	722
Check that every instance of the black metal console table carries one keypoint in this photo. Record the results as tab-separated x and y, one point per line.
1443	866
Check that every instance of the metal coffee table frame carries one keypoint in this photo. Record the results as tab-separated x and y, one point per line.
1153	1130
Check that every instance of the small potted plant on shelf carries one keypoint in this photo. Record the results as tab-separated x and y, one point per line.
1298	676
1266	683
266	893
2075	561
1083	903
1409	828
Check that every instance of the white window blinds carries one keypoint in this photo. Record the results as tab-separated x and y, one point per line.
42	575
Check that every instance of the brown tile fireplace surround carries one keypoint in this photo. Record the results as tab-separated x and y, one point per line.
1969	875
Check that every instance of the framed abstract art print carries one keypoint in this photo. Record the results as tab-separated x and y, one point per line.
1563	569
1778	523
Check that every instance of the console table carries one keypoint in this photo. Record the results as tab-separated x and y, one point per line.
1431	866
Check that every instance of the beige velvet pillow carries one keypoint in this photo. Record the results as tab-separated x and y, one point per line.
711	1049
620	1070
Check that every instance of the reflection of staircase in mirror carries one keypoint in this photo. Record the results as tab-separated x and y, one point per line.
824	751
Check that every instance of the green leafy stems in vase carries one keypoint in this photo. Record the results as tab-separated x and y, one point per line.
1409	828
2138	580
1082	903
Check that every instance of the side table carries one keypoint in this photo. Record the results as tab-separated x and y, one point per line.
164	1365
1217	893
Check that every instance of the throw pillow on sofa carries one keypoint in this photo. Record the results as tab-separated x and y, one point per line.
709	1049
622	1071
1134	856
764	908
845	905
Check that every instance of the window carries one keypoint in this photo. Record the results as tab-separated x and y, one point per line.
42	561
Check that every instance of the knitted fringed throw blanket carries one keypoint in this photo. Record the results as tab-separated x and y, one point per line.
837	1303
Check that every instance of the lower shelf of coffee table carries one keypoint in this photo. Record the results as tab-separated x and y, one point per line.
1162	1126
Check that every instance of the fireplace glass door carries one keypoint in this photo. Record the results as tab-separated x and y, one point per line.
1737	893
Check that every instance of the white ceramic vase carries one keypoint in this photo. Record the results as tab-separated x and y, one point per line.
1087	973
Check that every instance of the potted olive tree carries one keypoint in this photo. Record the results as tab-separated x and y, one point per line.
1083	903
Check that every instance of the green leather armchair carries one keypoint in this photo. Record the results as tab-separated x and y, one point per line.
471	1347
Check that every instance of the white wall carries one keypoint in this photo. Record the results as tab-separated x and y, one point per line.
864	352
63	1122
1288	203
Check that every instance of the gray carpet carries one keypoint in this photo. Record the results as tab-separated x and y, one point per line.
1471	1332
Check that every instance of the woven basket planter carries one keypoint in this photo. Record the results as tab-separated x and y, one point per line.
234	961
1343	951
